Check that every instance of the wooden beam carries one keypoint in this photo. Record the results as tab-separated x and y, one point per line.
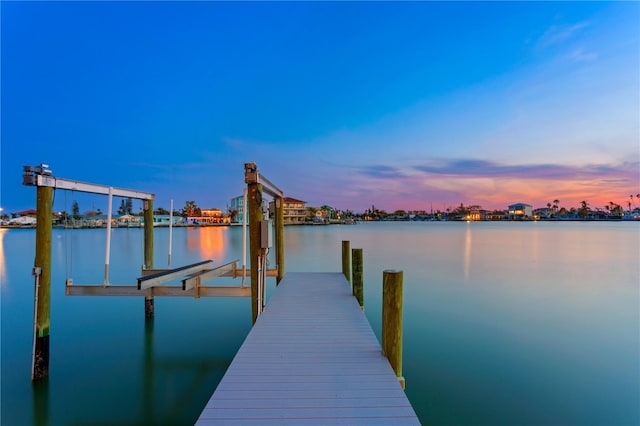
42	308
279	205
174	291
149	309
254	210
238	273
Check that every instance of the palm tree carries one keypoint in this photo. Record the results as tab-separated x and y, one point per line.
311	213
583	211
329	211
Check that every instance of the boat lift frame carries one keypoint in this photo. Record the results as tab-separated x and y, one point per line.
150	284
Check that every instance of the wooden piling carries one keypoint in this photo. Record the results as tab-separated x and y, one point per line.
346	260
255	217
279	240
358	285
392	321
44	206
148	254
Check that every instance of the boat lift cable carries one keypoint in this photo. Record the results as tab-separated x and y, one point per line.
68	240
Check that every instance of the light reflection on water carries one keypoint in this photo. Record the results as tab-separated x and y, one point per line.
505	323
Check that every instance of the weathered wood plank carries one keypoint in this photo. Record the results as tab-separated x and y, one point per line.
311	358
174	291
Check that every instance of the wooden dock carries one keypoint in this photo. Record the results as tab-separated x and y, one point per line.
310	358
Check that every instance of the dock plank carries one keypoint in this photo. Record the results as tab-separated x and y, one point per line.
310	358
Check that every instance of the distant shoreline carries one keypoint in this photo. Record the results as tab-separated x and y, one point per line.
234	225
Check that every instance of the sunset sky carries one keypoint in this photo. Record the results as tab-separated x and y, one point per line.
401	105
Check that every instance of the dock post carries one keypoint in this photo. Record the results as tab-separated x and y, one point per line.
148	254
392	321
42	270
279	219
346	260
358	285
254	210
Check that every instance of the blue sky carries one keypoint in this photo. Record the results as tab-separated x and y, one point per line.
405	105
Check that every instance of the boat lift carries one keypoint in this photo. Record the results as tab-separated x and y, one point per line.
152	282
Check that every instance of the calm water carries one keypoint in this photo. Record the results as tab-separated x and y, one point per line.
505	323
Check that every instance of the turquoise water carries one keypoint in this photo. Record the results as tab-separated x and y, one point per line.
505	323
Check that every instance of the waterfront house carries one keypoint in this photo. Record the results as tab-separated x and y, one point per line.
213	216
166	219
295	211
544	213
520	211
496	215
476	214
208	217
236	209
26	218
128	221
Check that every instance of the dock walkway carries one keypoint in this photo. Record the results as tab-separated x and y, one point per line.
310	358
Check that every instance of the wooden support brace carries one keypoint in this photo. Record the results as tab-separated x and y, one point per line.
238	273
172	291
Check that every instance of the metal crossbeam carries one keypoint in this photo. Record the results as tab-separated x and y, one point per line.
74	185
269	187
194	280
152	280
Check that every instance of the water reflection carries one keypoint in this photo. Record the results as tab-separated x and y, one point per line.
41	402
171	385
208	241
3	268
467	252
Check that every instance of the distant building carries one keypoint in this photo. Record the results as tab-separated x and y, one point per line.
544	213
237	206
496	215
23	218
295	211
520	211
22	221
476	214
127	221
208	217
